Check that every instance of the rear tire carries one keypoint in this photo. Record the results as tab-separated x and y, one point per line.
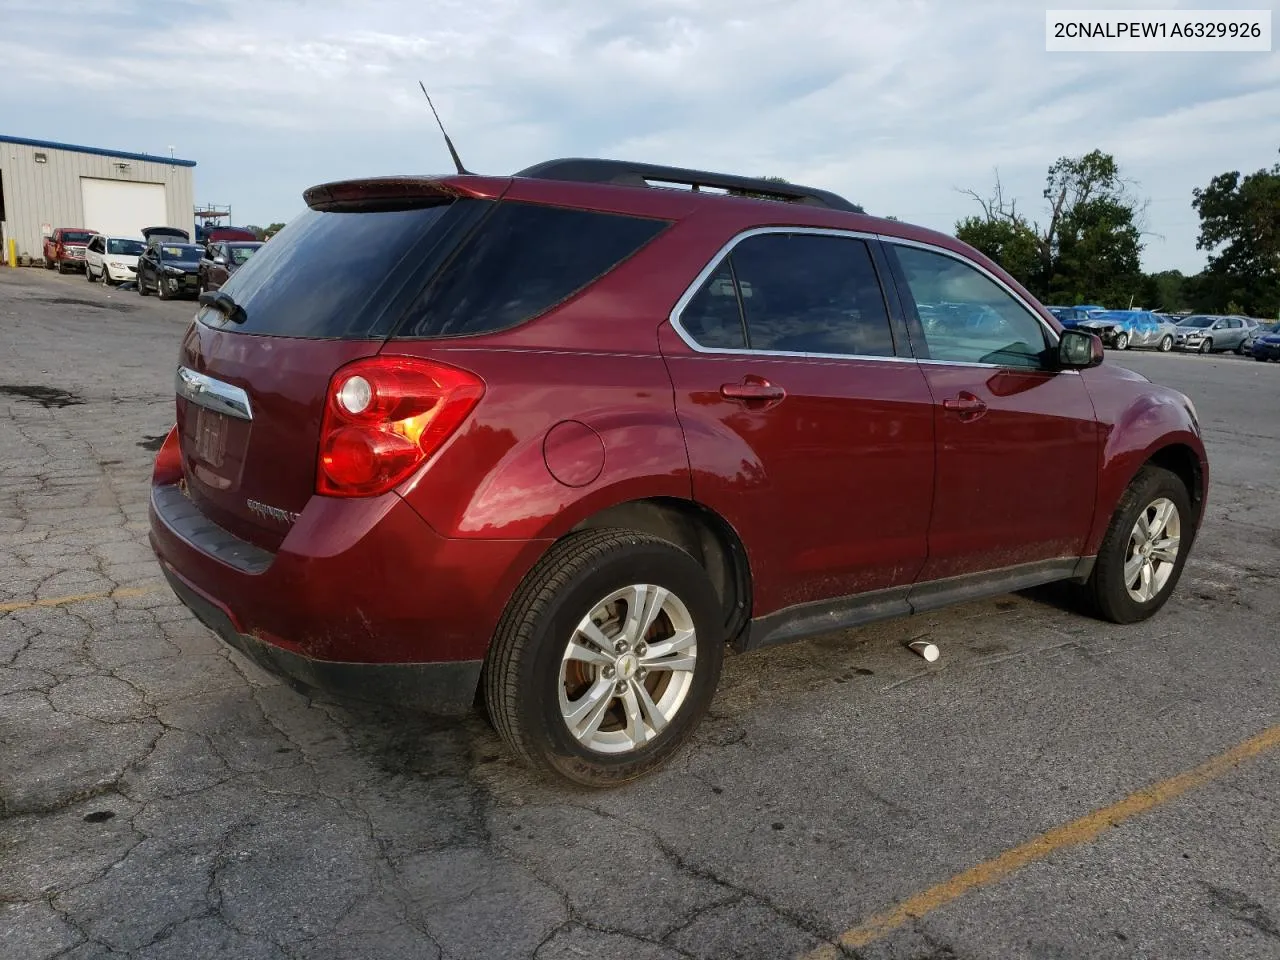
562	713
1121	588
1166	344
1122	341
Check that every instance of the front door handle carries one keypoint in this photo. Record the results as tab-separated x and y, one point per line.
753	390
968	406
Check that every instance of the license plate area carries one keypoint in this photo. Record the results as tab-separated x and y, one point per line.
210	437
214	446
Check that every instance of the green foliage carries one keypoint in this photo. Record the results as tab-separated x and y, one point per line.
272	230
1088	249
1240	221
256	230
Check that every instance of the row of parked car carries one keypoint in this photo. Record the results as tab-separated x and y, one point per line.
1199	332
164	260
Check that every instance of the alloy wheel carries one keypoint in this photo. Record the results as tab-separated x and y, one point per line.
627	669
1152	552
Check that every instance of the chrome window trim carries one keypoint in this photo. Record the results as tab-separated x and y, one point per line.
959	258
205	391
718	258
714	264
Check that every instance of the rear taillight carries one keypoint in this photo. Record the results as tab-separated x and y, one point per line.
168	465
384	417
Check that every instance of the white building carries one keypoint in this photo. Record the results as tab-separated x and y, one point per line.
46	185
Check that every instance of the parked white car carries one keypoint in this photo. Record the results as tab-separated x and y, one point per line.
112	259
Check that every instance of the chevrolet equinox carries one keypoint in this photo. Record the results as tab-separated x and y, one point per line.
555	440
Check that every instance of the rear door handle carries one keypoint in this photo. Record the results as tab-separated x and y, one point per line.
966	404
753	389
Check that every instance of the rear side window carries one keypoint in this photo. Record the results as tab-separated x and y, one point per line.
522	261
798	293
713	317
332	275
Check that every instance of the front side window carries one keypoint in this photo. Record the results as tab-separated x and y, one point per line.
793	293
966	316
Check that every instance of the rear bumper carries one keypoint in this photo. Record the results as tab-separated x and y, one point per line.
363	599
440	688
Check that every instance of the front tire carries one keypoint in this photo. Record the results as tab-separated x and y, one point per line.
607	657
142	286
163	288
1166	344
1206	346
1145	548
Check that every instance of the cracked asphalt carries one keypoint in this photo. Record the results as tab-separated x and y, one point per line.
162	798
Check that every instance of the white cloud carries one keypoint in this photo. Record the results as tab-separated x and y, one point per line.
893	104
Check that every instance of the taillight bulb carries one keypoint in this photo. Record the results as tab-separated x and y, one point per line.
355	395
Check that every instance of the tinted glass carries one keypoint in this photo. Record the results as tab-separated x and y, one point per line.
125	248
179	251
1198	322
331	275
76	236
522	261
713	318
804	293
968	317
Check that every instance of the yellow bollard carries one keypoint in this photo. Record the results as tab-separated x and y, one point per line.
13	252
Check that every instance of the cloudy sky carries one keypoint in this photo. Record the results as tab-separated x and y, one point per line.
894	103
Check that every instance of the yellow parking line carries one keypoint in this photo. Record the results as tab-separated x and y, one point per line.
78	598
1080	831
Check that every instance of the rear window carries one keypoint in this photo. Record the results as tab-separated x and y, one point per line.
331	275
522	261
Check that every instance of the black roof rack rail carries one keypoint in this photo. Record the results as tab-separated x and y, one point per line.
583	170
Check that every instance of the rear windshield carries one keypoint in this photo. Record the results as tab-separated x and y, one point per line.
328	275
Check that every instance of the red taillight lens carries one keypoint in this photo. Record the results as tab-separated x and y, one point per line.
384	417
168	466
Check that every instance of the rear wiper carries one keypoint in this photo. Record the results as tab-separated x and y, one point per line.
225	304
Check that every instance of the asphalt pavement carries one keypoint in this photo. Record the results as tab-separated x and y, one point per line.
1052	787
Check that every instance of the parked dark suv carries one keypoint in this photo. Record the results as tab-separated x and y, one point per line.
562	437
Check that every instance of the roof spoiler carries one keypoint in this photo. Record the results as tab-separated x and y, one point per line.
376	194
583	170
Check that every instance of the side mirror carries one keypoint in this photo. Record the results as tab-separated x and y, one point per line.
220	261
1078	350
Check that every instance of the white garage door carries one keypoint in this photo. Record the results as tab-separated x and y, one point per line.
121	208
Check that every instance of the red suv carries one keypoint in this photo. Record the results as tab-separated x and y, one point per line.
559	438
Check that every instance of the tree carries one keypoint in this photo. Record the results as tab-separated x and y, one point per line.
1088	249
1171	289
1240	221
272	230
256	230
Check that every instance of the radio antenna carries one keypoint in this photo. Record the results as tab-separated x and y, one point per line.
457	162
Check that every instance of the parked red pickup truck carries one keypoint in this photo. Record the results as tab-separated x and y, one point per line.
64	248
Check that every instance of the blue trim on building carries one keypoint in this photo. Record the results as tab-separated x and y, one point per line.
97	151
